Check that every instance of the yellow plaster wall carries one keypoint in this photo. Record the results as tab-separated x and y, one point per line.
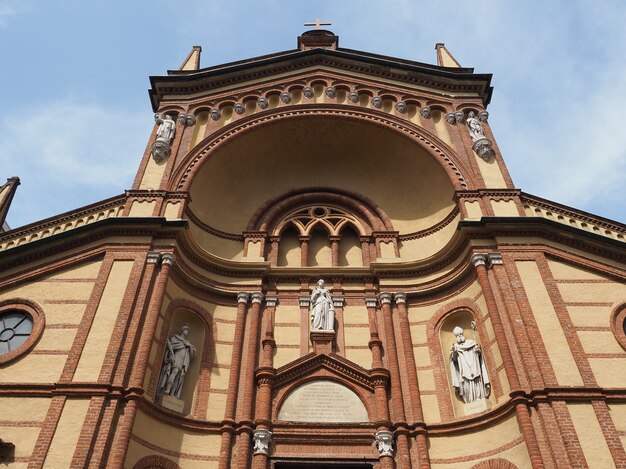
153	174
171	210
142	208
504	208
62	296
422	196
482	440
136	451
93	353
491	173
22	409
549	326
420	248
172	439
590	435
66	434
287	334
618	415
474	212
609	372
220	247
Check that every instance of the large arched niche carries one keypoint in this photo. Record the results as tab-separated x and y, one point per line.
396	173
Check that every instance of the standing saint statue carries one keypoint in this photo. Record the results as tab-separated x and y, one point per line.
467	367
474	127
167	127
322	309
178	354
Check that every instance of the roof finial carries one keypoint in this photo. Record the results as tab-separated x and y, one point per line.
317	24
444	57
192	62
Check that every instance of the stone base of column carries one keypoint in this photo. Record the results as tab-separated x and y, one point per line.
322	341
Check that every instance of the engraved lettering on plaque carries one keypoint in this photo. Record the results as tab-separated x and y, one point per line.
323	401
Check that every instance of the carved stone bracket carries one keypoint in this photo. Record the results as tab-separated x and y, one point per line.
215	114
377	102
261	441
483	148
285	97
186	119
331	92
161	150
263	103
458	116
353	97
483	116
384	442
450	118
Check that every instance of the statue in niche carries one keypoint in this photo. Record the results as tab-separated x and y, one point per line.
178	354
475	127
167	128
322	309
467	367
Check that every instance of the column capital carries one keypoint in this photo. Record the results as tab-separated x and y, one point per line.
338	301
304	301
495	258
243	297
371	301
261	441
384	442
399	298
153	257
257	297
384	298
303	238
271	300
479	259
168	258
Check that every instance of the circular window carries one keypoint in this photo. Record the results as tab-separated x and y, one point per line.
618	324
21	325
15	327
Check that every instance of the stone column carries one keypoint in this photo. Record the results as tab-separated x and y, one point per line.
274	247
244	441
228	424
480	262
411	371
398	416
334	248
152	316
264	376
304	250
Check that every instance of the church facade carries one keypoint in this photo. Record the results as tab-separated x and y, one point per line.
322	262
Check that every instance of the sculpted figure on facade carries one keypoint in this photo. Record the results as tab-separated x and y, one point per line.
178	355
475	127
322	309
467	368
167	127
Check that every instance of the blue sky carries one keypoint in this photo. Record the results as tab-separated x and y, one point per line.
76	116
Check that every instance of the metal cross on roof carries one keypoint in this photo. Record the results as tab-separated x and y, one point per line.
317	24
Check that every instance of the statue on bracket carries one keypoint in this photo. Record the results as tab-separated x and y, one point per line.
322	309
161	148
467	368
178	355
481	144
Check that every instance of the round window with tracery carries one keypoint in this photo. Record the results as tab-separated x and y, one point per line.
15	328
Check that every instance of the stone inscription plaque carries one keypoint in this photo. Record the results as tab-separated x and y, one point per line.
323	401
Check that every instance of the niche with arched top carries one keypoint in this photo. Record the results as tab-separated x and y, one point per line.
289	248
463	362
320	253
350	253
184	403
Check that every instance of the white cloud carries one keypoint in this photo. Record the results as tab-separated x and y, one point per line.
66	149
6	13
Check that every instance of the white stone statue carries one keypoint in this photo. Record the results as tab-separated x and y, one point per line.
322	309
474	127
167	127
178	354
467	367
